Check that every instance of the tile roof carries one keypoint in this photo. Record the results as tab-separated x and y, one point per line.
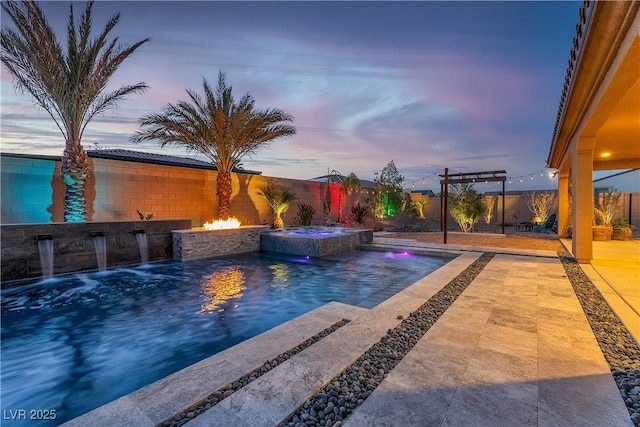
158	159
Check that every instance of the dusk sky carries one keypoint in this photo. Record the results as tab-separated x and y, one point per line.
471	86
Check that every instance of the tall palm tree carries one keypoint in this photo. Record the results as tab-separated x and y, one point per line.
218	126
69	85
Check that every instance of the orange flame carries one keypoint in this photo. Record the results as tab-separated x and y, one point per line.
220	224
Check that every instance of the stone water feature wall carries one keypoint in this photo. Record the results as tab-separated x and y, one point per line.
74	249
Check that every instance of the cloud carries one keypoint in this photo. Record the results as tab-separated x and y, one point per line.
428	84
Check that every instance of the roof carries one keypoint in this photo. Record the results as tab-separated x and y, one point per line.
599	109
158	159
337	179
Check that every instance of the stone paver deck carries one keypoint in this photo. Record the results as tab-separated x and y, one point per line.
514	349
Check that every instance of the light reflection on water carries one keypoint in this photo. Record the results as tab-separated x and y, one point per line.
222	287
76	342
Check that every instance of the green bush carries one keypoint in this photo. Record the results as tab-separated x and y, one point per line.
622	223
465	206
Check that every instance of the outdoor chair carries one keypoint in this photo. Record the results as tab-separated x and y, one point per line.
548	226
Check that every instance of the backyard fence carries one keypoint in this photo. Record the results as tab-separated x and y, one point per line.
33	192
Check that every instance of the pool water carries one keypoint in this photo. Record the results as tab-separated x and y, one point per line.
74	343
314	231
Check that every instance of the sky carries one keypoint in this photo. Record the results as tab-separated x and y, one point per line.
471	86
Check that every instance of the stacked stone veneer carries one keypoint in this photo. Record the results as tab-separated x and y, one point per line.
201	243
73	246
315	246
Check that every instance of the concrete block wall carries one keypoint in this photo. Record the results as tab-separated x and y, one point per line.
27	189
122	188
33	192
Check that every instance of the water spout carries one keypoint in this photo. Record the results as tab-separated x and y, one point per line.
45	248
100	243
143	245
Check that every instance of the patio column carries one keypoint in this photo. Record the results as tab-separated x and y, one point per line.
563	203
582	198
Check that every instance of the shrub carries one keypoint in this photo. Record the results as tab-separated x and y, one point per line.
359	212
540	205
606	209
465	206
143	216
304	214
418	207
279	200
488	204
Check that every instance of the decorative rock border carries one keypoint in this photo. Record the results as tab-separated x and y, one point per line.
617	345
228	389
348	390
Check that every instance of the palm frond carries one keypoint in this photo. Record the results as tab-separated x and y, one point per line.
67	85
216	125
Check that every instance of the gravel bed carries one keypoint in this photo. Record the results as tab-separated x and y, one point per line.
617	345
348	390
233	386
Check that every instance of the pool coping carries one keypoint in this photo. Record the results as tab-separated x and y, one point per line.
162	399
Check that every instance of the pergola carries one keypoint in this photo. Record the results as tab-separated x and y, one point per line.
598	121
466	178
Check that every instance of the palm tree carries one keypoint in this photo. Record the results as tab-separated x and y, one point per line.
278	198
69	84
218	126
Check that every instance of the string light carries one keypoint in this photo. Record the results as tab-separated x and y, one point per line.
551	173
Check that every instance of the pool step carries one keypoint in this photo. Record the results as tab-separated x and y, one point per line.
164	398
272	397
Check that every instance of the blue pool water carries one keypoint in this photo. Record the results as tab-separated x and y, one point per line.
74	343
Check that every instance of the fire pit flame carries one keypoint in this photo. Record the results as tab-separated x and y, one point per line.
220	224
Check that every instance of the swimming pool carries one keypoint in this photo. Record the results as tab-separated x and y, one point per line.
72	344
